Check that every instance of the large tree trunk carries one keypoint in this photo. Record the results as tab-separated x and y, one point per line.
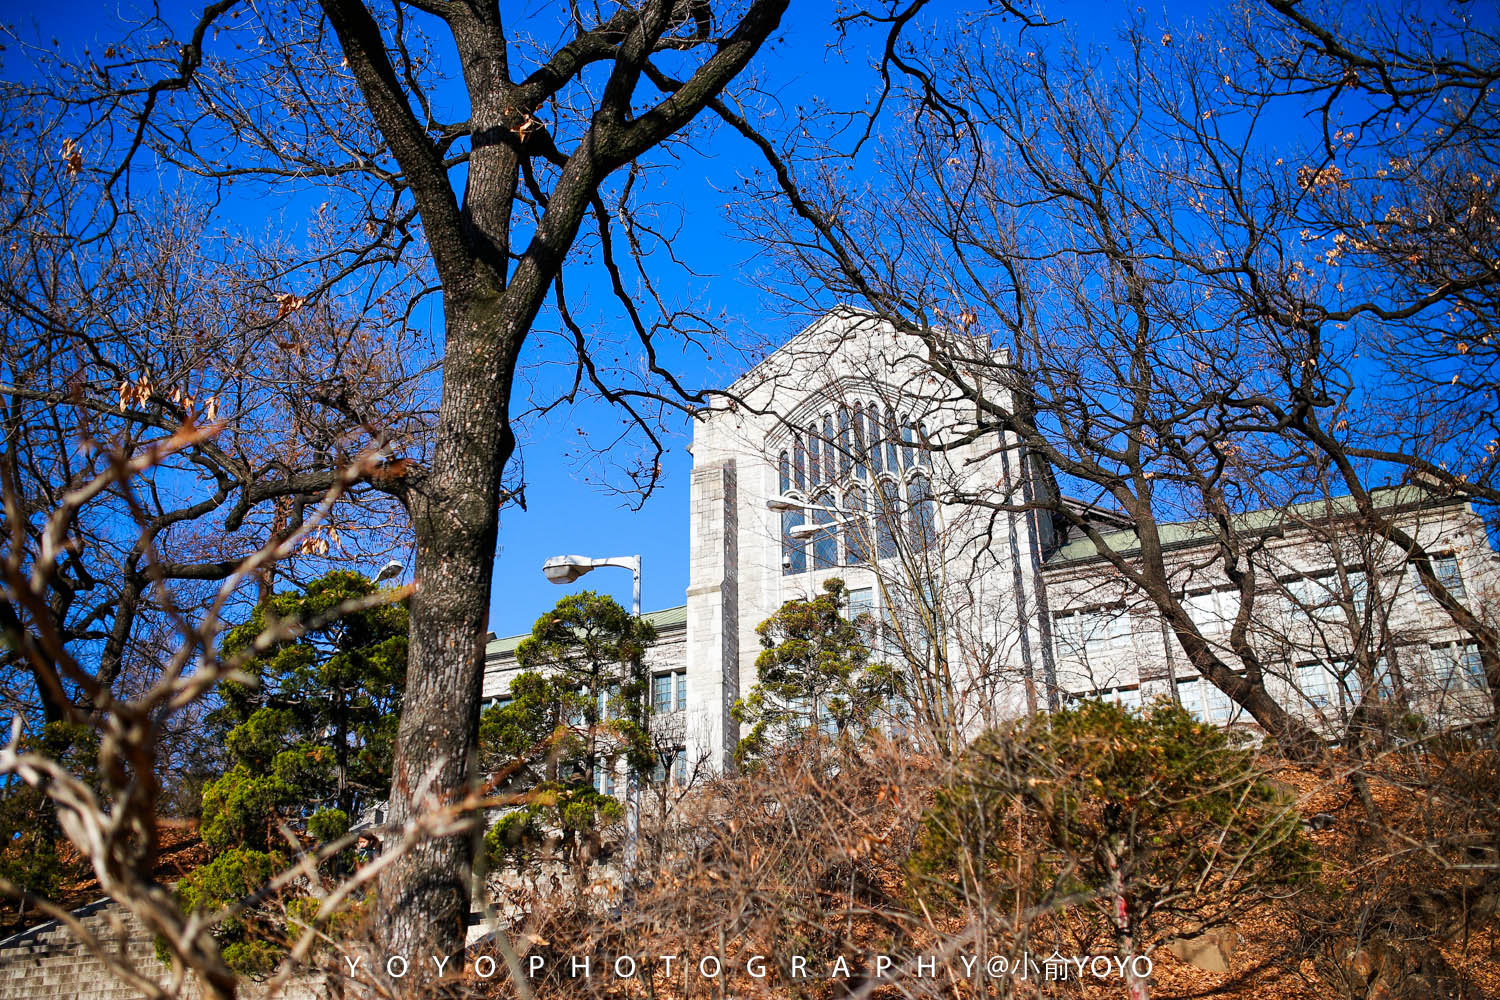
423	900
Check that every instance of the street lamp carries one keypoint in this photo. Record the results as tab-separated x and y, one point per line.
566	569
389	570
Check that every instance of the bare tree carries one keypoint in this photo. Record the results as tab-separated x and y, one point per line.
346	98
1126	230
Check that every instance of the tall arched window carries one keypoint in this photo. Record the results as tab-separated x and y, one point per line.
857	529
908	438
923	514
785	468
793	551
859	441
888	520
892	462
799	463
924	456
813	478
844	442
825	541
830	461
875	450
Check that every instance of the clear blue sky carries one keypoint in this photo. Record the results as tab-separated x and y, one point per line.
567	514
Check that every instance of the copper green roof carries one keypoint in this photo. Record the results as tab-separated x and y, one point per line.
665	620
1188	533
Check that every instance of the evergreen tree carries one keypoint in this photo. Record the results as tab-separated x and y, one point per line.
814	670
309	747
29	827
577	720
1131	825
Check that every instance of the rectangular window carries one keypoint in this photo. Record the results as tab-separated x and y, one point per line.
604	777
861	602
1206	702
1319	685
1445	568
669	691
1459	666
1385	681
1212	610
1067	635
1322	598
1127	698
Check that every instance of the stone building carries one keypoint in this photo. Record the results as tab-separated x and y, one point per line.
835	456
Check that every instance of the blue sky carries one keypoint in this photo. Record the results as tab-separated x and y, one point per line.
567	514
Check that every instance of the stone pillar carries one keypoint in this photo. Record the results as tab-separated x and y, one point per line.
713	655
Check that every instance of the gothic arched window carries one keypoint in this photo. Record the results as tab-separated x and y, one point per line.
799	463
844	442
859	441
813	478
888	519
793	551
785	468
857	529
892	462
923	514
875	451
825	541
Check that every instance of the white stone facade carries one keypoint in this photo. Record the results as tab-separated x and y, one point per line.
793	483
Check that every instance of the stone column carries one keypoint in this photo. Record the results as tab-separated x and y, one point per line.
713	656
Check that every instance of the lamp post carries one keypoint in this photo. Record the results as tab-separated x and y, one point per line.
566	569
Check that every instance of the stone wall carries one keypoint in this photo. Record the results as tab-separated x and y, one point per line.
46	962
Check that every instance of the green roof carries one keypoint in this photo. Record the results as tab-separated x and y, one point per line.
1185	533
665	620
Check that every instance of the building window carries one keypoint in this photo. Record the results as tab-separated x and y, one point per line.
793	552
608	703
857	527
784	467
825	541
888	519
830	461
669	691
799	463
1445	568
604	777
671	764
908	439
923	514
1206	702
875	450
1322	598
1091	634
1459	666
1385	679
892	461
1128	698
861	602
813	479
1319	685
1213	610
844	442
861	456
